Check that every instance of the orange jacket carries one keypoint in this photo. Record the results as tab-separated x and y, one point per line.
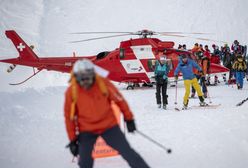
194	49
93	112
203	63
204	66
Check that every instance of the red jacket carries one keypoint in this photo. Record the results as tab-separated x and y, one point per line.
207	54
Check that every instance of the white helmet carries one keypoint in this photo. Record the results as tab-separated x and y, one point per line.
83	66
162	58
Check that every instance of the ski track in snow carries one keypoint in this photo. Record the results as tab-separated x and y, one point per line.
33	135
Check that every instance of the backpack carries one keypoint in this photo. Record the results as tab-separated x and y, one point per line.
208	63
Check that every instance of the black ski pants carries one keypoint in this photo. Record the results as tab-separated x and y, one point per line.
114	138
162	86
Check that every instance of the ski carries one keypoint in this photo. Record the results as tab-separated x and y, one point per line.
177	109
181	109
242	102
208	106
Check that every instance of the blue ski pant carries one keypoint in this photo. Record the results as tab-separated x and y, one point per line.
114	138
240	78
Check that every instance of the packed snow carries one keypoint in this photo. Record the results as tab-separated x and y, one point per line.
32	131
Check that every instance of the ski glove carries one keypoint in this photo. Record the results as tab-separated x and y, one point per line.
73	146
131	126
201	73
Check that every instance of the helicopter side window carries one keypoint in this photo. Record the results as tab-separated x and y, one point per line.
102	55
122	53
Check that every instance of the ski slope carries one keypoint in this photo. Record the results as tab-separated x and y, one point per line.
33	134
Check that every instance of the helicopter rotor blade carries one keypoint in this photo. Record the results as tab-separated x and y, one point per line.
205	39
173	35
196	38
99	32
194	33
103	37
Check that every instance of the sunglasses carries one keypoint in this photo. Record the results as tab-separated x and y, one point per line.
84	78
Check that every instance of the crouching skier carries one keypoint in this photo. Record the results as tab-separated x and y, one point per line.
186	66
88	115
161	75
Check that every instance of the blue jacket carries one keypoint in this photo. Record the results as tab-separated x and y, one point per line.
161	70
187	69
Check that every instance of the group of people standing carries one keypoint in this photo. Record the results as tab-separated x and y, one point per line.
195	70
226	56
187	67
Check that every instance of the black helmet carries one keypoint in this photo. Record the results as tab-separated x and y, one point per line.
183	56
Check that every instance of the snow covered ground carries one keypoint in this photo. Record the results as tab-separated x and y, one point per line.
33	135
32	130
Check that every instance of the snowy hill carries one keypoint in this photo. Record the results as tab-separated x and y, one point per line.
33	134
46	24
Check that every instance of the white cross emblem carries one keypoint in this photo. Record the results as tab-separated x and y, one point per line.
21	47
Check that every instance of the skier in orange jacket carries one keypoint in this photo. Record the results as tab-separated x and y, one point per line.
88	115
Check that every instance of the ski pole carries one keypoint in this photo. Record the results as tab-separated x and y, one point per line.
168	150
176	94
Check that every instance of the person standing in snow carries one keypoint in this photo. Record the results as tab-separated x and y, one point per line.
240	68
225	49
201	48
216	55
237	48
184	47
216	51
206	52
180	47
88	115
161	76
186	66
203	62
228	59
195	48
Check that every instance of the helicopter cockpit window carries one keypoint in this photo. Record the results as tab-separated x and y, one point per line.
102	55
122	53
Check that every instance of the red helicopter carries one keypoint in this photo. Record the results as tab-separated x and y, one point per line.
131	63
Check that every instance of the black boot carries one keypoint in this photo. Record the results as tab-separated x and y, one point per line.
202	102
